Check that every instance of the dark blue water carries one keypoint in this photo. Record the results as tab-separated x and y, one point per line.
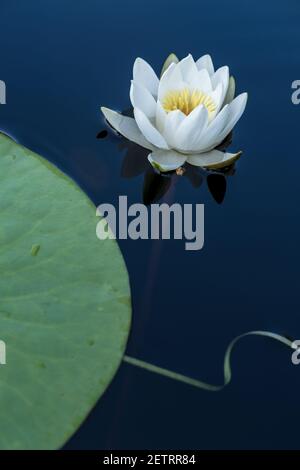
61	60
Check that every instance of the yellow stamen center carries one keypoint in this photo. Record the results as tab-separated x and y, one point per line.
186	100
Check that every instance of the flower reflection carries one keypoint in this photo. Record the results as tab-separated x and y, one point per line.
217	185
156	184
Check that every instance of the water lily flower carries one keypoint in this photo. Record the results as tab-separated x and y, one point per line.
184	115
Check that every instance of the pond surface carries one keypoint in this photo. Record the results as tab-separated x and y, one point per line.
61	60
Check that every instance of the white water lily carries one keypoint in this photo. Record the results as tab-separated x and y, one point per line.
183	116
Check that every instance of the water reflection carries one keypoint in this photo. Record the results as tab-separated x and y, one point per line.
217	186
135	160
156	184
102	134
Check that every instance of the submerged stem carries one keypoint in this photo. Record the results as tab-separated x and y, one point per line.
227	368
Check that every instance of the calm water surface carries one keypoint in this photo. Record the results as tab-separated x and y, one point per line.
61	60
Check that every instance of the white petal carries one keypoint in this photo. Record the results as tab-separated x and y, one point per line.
221	76
142	99
172	124
210	137
236	109
191	128
148	130
224	122
218	97
164	160
213	159
144	74
161	117
127	127
205	62
202	81
230	91
188	69
171	80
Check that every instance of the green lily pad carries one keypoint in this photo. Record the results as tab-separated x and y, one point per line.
65	305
